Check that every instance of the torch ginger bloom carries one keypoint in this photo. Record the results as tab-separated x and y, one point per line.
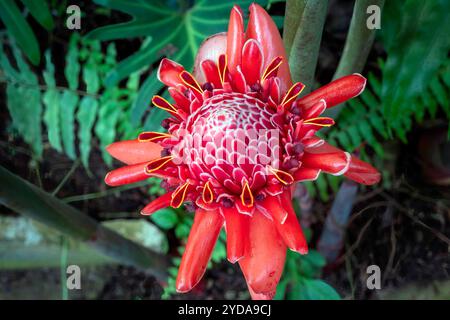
238	139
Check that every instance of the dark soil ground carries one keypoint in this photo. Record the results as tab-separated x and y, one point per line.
404	230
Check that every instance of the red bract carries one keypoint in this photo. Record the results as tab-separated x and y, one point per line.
238	138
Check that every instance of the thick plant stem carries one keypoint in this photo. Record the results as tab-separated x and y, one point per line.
357	45
359	40
294	11
332	237
305	46
27	199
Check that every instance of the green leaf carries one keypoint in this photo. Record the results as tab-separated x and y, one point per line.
334	181
344	140
421	40
51	100
24	101
281	290
322	186
39	10
420	111
69	102
20	30
72	68
182	231
150	87
317	290
153	120
165	218
311	264
91	77
135	62
378	123
105	129
439	91
356	107
355	136
87	112
315	258
369	99
366	131
428	99
375	83
86	117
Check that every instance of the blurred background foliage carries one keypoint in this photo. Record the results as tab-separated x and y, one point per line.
71	93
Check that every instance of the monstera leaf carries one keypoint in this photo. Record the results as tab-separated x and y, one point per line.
174	29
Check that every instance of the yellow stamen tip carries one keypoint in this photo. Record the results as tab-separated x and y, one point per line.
157	164
284	177
247	198
152	136
207	194
179	195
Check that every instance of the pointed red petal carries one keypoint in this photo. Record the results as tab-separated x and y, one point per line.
262	28
263	265
239	83
211	73
322	147
336	163
237	228
200	244
126	175
362	172
285	220
306	174
134	151
311	126
180	99
275	91
235	39
315	110
157	204
290	229
168	72
319	122
252	61
335	92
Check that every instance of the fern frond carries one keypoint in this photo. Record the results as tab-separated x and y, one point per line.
23	98
362	122
81	109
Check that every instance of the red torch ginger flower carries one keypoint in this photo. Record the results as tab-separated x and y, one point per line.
238	139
